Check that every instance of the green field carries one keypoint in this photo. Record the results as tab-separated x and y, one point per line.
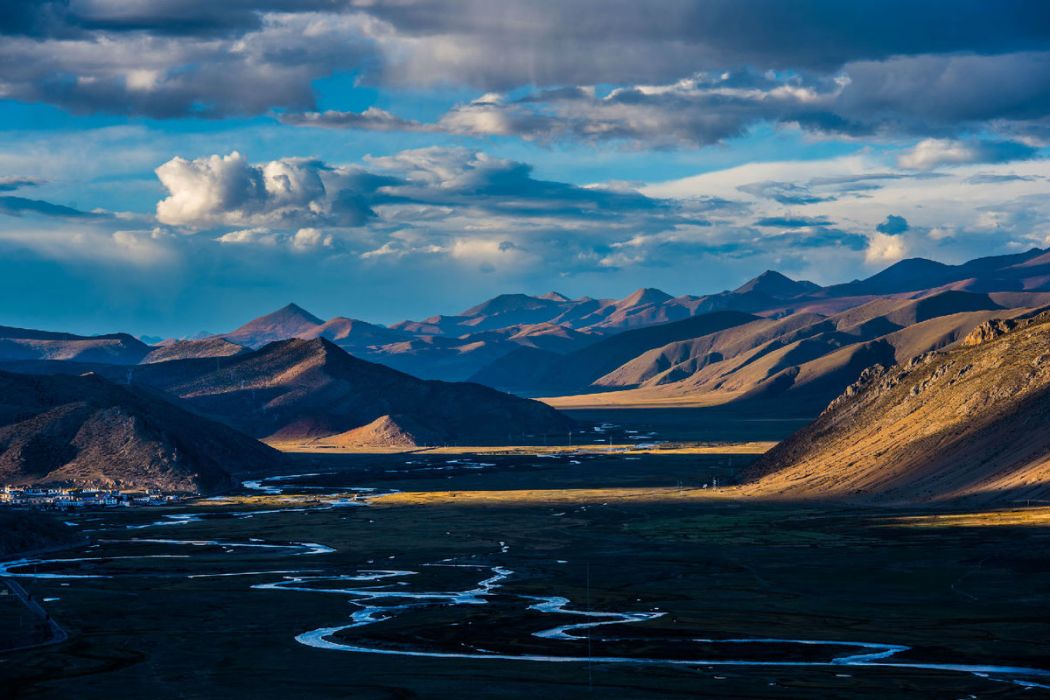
717	569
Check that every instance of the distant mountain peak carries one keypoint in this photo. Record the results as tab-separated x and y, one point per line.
774	284
554	296
286	322
506	303
645	295
294	310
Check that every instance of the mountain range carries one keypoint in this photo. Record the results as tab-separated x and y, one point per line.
293	378
967	424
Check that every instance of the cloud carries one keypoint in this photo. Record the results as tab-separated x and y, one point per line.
997	179
230	191
893	225
784	192
372	119
311	238
864	67
10	184
884	248
180	58
933	153
79	244
792	221
20	206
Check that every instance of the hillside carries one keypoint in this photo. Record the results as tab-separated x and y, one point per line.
187	349
804	360
575	370
305	389
24	344
970	423
289	321
87	430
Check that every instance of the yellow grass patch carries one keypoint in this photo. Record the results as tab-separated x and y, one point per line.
608	496
677	448
1015	517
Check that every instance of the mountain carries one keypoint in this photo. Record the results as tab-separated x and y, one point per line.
971	423
800	361
289	321
186	349
87	430
306	389
777	286
352	333
25	344
580	368
1020	272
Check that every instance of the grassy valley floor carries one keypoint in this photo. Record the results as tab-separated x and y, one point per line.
204	607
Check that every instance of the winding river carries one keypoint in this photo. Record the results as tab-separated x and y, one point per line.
376	596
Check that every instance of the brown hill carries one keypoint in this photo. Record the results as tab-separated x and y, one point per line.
384	432
188	349
351	333
970	423
290	321
18	344
802	360
578	369
86	430
300	389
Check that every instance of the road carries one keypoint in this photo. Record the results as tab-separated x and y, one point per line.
58	633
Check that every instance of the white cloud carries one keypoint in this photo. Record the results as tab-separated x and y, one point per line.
933	153
230	191
311	238
884	249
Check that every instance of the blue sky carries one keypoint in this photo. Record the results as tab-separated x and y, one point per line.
168	166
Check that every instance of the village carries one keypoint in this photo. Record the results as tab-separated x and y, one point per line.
65	498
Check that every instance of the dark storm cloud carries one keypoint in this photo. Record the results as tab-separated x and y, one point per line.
893	225
915	67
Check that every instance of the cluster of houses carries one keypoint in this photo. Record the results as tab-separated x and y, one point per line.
71	498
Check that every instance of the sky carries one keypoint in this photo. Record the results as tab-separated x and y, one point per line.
173	166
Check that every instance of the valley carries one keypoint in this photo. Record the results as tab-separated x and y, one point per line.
589	572
779	491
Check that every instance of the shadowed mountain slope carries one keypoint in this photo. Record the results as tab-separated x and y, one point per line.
25	344
971	423
579	369
89	431
802	360
189	349
301	389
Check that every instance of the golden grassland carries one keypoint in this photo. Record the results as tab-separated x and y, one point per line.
674	448
257	500
1038	516
580	496
639	398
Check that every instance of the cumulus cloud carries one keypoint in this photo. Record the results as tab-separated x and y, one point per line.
228	190
884	248
934	153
